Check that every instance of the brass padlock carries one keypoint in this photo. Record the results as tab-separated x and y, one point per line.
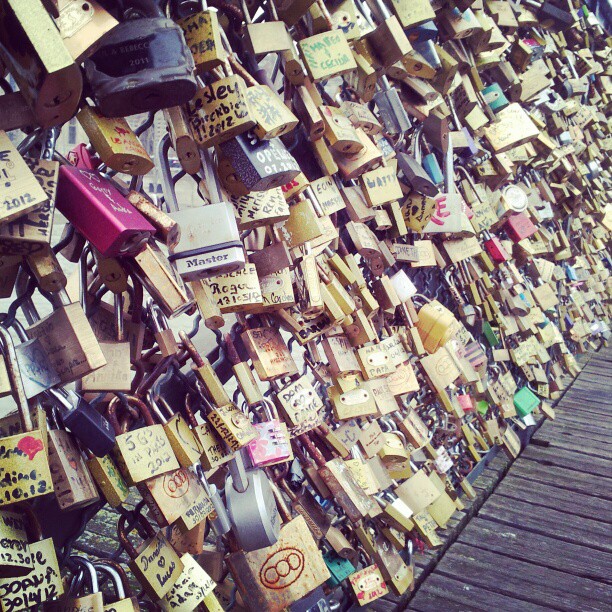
157	566
47	76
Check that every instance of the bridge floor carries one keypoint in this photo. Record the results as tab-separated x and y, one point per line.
543	539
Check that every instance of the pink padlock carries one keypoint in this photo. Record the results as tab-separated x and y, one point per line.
272	446
99	211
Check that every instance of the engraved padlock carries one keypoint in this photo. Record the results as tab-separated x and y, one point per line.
247	164
209	243
32	49
142	65
101	213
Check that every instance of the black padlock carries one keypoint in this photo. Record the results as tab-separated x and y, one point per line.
91	429
247	163
142	65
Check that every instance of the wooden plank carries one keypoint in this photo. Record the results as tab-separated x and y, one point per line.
549	496
565	479
559	429
521	545
578	419
586	446
583	446
577	403
550	522
521	580
569	460
454	595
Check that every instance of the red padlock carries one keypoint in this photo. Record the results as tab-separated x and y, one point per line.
519	226
496	250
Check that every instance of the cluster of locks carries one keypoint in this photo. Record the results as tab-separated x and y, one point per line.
398	244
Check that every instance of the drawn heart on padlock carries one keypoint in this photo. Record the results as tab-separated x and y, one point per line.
31	446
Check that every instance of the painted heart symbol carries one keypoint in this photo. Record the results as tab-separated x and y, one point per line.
30	446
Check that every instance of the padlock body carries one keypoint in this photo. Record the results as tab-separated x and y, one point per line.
141	66
209	242
101	213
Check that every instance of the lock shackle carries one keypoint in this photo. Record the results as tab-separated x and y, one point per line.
76	582
314	452
168	182
155	401
117	575
122	534
135	9
141	406
90	571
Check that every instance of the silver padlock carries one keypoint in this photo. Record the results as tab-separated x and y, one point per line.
251	506
209	242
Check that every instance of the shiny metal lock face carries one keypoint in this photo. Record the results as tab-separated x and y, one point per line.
209	242
253	512
141	66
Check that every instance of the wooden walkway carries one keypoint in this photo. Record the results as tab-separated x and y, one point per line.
543	540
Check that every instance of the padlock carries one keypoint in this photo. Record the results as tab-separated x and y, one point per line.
272	446
203	37
273	118
141	65
15	555
16	592
25	452
192	588
124	599
101	213
269	353
20	191
251	506
182	439
255	572
267	36
73	485
208	244
48	78
115	142
220	111
248	164
144	452
83	26
157	566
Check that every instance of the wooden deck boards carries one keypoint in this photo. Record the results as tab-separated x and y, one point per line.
543	539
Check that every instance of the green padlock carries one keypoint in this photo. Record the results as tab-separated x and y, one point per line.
489	334
525	401
339	568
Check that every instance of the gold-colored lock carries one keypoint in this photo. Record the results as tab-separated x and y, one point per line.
20	191
203	37
270	355
272	117
220	111
183	142
326	54
32	231
232	425
339	131
48	78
